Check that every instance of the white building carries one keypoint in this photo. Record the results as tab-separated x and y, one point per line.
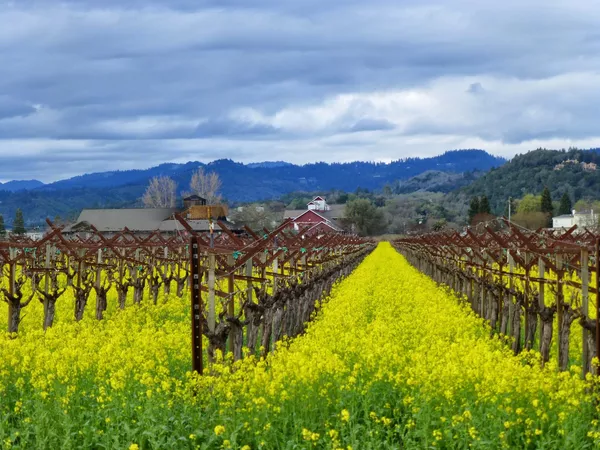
318	204
581	219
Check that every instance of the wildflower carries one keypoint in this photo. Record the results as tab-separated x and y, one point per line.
345	415
219	430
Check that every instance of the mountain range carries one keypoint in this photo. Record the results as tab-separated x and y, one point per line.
241	182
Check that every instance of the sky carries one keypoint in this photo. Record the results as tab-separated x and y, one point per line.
94	85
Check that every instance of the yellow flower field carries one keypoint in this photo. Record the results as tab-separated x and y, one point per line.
391	361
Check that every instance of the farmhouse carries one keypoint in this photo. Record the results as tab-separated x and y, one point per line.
581	219
144	221
319	216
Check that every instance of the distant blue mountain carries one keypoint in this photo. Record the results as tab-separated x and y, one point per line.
20	185
241	182
268	164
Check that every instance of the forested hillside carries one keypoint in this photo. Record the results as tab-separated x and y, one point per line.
571	171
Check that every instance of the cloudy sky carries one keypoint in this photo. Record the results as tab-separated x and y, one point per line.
91	85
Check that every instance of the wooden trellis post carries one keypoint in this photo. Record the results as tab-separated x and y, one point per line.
585	278
12	274
211	292
511	296
47	277
249	287
196	300
99	268
559	300
275	274
230	303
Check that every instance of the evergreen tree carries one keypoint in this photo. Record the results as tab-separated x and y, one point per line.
19	224
547	202
473	208
565	206
2	227
484	206
547	207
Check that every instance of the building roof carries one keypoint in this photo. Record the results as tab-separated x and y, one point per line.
335	212
563	216
321	224
135	219
193	197
293	213
197	225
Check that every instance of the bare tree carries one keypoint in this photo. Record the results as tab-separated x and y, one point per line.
206	185
160	193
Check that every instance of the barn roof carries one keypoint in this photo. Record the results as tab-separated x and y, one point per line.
197	225
335	212
138	219
135	219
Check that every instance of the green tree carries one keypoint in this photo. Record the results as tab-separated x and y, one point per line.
546	205
19	224
473	208
365	217
2	227
439	225
565	206
484	206
530	203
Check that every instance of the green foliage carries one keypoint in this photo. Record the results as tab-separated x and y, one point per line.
19	223
565	206
484	206
546	202
531	172
473	208
365	217
440	225
547	207
530	203
2	227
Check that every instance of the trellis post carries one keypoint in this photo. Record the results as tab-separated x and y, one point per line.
196	301
585	278
211	293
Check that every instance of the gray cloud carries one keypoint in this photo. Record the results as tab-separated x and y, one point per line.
169	79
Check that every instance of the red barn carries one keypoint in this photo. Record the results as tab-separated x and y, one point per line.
319	216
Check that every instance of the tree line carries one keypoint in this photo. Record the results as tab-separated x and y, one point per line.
18	224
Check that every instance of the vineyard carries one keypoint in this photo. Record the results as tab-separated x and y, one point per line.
280	340
532	286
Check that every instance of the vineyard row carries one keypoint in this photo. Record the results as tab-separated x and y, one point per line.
533	286
246	289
